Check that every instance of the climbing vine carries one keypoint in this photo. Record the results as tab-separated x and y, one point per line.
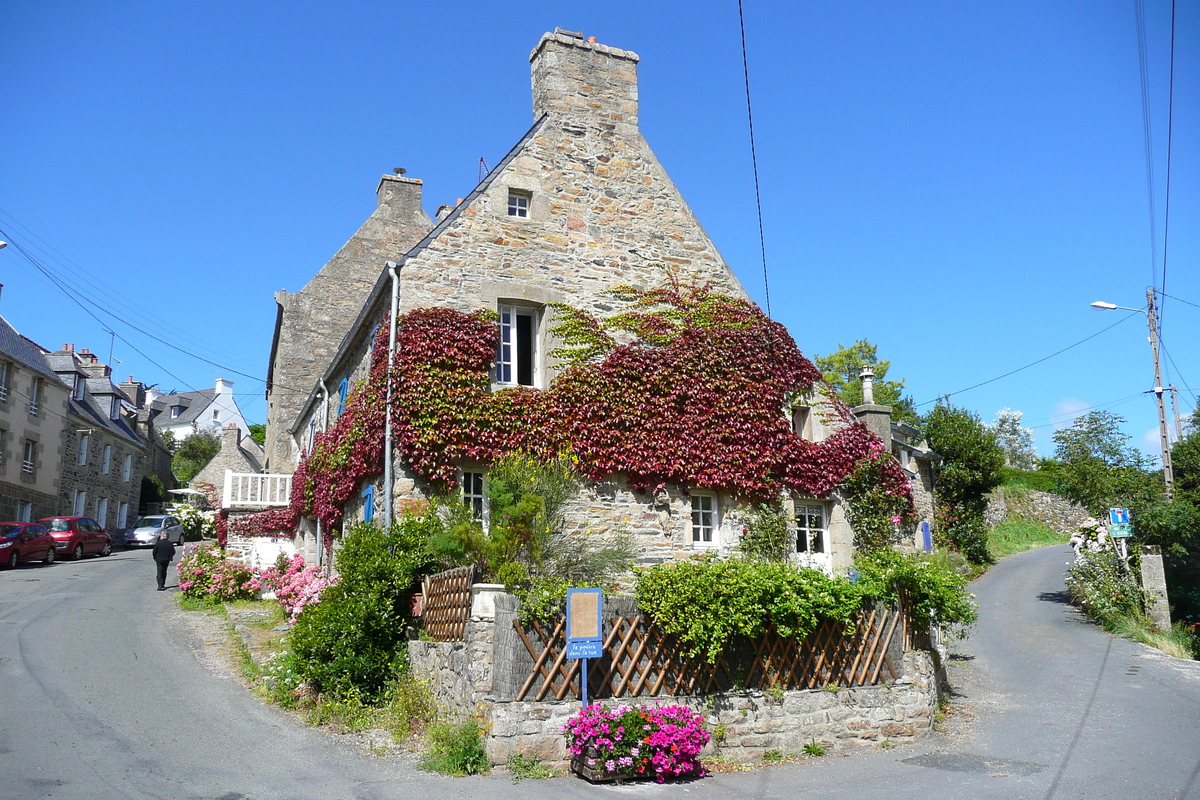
684	386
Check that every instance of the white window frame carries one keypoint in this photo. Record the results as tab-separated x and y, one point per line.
77	387
106	461
24	512
5	374
176	412
84	440
520	203
114	411
216	416
510	360
127	469
79	504
472	487
122	515
102	512
705	520
29	457
815	538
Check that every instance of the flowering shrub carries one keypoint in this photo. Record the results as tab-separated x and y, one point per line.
206	574
1102	587
633	741
880	501
197	524
295	585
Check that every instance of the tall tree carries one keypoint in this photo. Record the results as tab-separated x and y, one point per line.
193	453
1095	465
970	469
1014	440
841	371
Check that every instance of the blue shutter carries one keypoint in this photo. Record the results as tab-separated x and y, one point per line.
368	503
345	387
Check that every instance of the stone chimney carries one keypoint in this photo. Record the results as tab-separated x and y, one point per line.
134	391
400	197
231	438
583	81
91	365
878	419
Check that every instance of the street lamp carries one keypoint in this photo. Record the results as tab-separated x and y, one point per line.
1164	438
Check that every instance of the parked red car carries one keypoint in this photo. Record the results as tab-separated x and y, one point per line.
22	542
78	536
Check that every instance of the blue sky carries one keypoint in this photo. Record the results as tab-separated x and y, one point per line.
954	182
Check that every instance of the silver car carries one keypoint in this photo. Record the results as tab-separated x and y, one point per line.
146	530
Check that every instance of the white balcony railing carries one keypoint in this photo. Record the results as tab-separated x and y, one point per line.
250	489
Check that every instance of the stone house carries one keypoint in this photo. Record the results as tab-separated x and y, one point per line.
578	206
104	458
33	414
238	453
183	413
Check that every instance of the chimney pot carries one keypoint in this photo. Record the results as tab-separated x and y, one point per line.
867	374
591	40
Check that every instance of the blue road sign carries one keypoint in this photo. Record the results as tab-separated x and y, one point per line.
585	649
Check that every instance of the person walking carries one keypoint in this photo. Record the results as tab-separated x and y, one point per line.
164	554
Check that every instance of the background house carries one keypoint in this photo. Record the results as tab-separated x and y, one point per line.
33	414
183	413
104	458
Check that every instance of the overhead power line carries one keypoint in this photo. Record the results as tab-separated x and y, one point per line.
1031	364
1170	135
1139	12
762	242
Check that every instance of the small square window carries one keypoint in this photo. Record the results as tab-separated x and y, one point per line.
518	203
704	520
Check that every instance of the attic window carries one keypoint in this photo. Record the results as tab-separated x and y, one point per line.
114	409
77	388
176	411
518	203
802	422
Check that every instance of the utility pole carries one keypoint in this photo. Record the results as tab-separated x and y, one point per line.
1163	434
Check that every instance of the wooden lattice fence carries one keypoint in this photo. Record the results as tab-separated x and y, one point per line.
447	603
641	660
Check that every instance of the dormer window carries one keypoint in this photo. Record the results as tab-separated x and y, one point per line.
114	408
516	356
518	203
77	387
176	411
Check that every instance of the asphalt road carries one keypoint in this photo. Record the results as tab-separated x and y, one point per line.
108	691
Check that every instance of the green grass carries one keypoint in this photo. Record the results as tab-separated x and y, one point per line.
1017	536
521	767
1036	480
1177	641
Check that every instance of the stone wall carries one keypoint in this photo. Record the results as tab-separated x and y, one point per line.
91	476
1055	512
479	676
237	453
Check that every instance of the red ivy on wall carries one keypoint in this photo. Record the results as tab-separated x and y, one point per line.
694	396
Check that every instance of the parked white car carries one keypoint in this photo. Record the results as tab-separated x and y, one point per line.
146	530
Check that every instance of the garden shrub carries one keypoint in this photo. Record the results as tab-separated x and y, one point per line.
295	585
632	741
351	643
933	591
708	601
1099	583
205	574
766	536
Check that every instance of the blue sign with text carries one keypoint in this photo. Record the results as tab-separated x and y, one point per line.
592	648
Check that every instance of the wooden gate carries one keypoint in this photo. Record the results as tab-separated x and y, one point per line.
447	603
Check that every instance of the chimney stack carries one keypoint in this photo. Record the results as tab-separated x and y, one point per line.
867	374
583	81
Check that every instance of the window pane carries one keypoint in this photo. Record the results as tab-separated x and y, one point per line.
525	349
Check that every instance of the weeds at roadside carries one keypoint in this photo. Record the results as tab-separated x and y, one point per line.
814	749
456	749
521	767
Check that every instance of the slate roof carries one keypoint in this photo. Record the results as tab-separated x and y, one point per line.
24	351
194	404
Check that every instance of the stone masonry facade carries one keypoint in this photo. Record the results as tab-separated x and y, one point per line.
600	212
1057	513
312	322
479	677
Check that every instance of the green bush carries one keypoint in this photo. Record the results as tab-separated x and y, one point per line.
350	644
1035	479
934	592
708	601
1102	587
766	536
456	750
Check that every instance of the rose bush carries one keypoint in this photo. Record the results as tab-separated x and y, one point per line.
638	741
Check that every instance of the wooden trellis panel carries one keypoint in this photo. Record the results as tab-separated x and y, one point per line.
447	603
642	660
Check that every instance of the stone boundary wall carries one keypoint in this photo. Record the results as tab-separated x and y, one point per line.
461	675
1057	513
